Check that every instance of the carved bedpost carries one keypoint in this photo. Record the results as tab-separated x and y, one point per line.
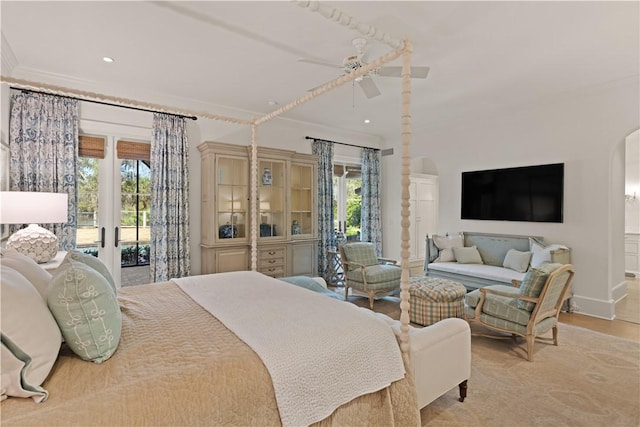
406	156
253	198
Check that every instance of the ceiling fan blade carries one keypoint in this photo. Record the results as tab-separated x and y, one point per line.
319	62
416	72
369	87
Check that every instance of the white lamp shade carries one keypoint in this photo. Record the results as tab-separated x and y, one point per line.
26	207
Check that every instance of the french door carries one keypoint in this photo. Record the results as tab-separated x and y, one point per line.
114	204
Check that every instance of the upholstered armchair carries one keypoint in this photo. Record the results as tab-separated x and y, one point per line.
366	272
528	309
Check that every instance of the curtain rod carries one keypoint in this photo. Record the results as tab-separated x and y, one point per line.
104	103
341	143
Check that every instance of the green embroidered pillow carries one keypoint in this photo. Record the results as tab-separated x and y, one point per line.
92	262
533	283
86	309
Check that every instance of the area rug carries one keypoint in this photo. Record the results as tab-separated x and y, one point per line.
589	379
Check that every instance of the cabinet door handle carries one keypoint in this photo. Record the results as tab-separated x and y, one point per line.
117	237
102	235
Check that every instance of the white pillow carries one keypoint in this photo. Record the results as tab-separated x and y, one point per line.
541	253
445	245
36	275
468	255
517	260
29	332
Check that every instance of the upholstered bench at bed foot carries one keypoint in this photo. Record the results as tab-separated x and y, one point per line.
434	299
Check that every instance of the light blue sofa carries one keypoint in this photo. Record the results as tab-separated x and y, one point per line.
493	249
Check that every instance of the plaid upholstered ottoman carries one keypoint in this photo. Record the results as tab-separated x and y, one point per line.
434	299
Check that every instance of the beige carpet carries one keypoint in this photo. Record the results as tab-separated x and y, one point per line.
589	379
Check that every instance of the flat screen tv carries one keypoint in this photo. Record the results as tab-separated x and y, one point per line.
529	193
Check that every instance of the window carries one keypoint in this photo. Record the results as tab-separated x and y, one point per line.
347	184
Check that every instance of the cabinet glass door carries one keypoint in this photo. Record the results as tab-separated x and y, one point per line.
271	188
232	198
301	200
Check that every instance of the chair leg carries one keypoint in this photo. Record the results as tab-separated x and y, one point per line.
531	339
371	295
346	292
555	335
463	390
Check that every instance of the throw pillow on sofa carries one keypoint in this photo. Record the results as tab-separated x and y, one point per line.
467	255
517	260
542	253
445	245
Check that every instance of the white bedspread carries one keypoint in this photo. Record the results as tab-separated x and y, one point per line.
320	352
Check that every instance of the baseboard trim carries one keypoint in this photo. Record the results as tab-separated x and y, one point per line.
594	307
619	291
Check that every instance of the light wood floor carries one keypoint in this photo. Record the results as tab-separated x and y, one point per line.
625	325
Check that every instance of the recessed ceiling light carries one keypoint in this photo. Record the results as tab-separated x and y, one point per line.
107	59
272	103
367	121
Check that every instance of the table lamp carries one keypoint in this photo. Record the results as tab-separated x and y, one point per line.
26	207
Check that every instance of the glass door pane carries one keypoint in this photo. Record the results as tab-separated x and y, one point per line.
271	189
135	213
301	200
232	197
88	235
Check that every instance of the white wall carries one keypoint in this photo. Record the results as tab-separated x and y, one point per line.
584	130
632	183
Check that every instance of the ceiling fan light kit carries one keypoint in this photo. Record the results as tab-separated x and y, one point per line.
352	63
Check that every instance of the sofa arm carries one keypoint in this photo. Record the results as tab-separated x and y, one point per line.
440	358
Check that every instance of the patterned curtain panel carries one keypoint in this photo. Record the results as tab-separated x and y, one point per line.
324	150
43	141
169	240
370	224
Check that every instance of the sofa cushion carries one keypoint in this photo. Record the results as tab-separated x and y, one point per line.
472	298
379	273
468	255
482	271
501	307
517	260
533	283
445	245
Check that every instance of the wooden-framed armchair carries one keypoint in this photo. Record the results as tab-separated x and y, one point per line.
366	272
528	309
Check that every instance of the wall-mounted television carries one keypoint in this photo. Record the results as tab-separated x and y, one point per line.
529	193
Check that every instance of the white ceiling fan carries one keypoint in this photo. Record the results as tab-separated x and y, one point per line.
352	62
